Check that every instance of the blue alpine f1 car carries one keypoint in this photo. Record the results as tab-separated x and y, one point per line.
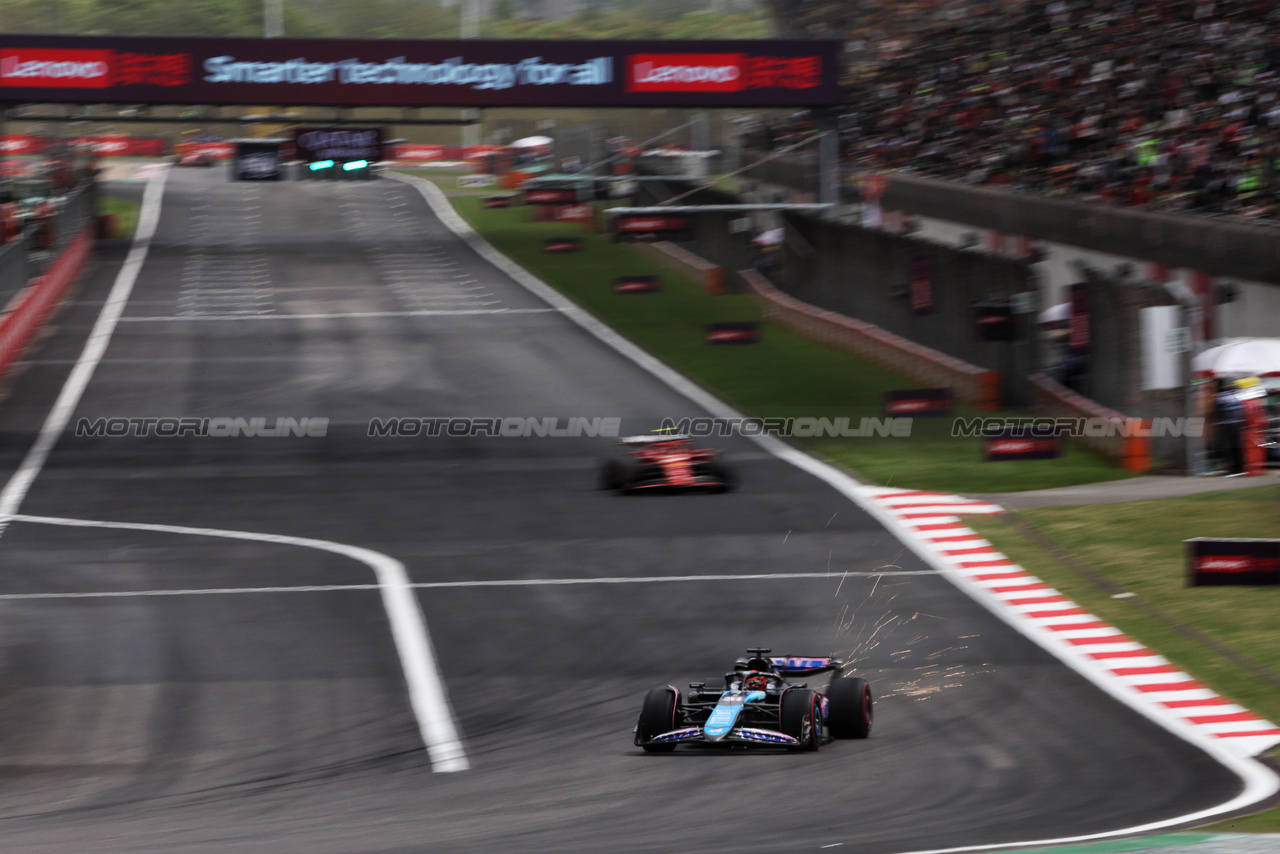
759	706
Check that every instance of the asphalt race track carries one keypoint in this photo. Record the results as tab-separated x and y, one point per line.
273	716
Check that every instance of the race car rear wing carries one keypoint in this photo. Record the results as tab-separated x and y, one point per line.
795	665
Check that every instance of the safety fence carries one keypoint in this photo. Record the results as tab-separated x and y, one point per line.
1132	452
969	383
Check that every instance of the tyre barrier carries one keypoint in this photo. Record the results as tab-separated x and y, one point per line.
970	383
683	261
1132	453
33	307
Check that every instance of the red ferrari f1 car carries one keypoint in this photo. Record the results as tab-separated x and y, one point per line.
666	462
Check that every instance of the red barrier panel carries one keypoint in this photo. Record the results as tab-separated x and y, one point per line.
19	326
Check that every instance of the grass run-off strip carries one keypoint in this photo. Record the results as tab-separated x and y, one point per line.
125	212
784	375
1138	546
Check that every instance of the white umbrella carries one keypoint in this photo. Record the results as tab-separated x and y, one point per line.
1055	314
772	237
1240	357
532	142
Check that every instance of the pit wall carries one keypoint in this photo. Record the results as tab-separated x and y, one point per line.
969	383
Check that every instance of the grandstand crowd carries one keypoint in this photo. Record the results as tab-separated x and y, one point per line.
1171	105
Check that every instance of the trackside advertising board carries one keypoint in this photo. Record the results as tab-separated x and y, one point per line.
1224	562
466	73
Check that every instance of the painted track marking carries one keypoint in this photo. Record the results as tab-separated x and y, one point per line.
445	585
426	689
425	312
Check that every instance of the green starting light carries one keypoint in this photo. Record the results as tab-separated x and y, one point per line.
353	165
321	164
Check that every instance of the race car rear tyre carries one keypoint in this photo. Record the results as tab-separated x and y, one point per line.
801	717
660	713
849	712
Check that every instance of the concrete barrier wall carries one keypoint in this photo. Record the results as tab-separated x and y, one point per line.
1132	452
1219	247
1214	246
865	274
969	383
672	257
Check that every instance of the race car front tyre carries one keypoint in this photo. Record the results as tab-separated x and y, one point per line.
660	713
801	717
613	475
849	712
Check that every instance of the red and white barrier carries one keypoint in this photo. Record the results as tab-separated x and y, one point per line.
34	306
1112	659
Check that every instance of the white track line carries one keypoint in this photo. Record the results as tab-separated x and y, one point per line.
426	690
440	585
426	312
1260	782
99	337
427	694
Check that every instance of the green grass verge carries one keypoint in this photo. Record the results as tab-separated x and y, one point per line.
784	375
125	211
1139	546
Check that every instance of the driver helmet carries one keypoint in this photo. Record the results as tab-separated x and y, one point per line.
755	682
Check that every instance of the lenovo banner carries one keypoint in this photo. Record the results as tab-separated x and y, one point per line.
646	284
994	320
561	245
104	146
551	197
1079	335
1217	563
1015	444
917	401
650	227
732	332
920	284
470	73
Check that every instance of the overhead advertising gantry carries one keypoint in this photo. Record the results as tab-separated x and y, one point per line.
212	73
435	73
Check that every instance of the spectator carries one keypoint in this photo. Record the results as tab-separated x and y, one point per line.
1160	105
